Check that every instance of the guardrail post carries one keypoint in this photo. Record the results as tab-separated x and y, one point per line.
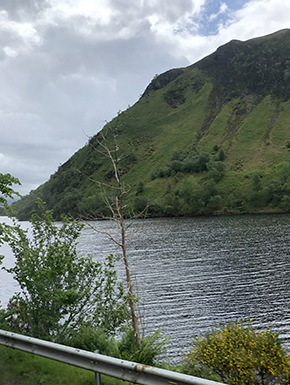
97	375
98	378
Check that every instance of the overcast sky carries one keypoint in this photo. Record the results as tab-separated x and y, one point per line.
66	66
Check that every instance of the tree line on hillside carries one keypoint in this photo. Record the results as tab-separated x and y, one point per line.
193	186
201	192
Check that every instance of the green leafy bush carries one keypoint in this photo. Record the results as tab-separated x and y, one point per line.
91	339
146	352
60	290
191	161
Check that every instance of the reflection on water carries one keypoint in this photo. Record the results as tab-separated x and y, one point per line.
193	273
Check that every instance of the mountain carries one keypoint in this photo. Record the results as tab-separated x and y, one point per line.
213	137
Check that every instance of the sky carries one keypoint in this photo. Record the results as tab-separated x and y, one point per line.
67	66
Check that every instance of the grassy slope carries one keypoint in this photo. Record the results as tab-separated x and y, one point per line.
172	131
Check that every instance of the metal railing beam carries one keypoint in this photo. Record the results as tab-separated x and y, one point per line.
98	363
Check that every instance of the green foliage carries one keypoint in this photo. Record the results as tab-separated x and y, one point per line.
93	206
216	169
91	339
149	208
273	192
140	204
221	155
189	161
149	348
215	148
257	185
193	198
60	291
140	188
6	191
241	355
282	171
214	203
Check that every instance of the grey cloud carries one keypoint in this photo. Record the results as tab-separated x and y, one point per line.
24	9
125	6
68	85
7	38
72	51
171	10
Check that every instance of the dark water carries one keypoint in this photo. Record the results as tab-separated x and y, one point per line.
193	273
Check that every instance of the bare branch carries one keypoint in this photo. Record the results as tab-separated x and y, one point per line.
104	232
97	181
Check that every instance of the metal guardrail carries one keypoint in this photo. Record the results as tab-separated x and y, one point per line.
98	363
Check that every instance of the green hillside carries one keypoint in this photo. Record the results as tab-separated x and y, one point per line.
212	137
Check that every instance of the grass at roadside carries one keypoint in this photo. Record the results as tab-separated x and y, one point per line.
19	368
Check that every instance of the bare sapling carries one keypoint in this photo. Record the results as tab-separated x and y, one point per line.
115	202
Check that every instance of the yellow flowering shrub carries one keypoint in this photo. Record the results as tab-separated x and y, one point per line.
240	355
